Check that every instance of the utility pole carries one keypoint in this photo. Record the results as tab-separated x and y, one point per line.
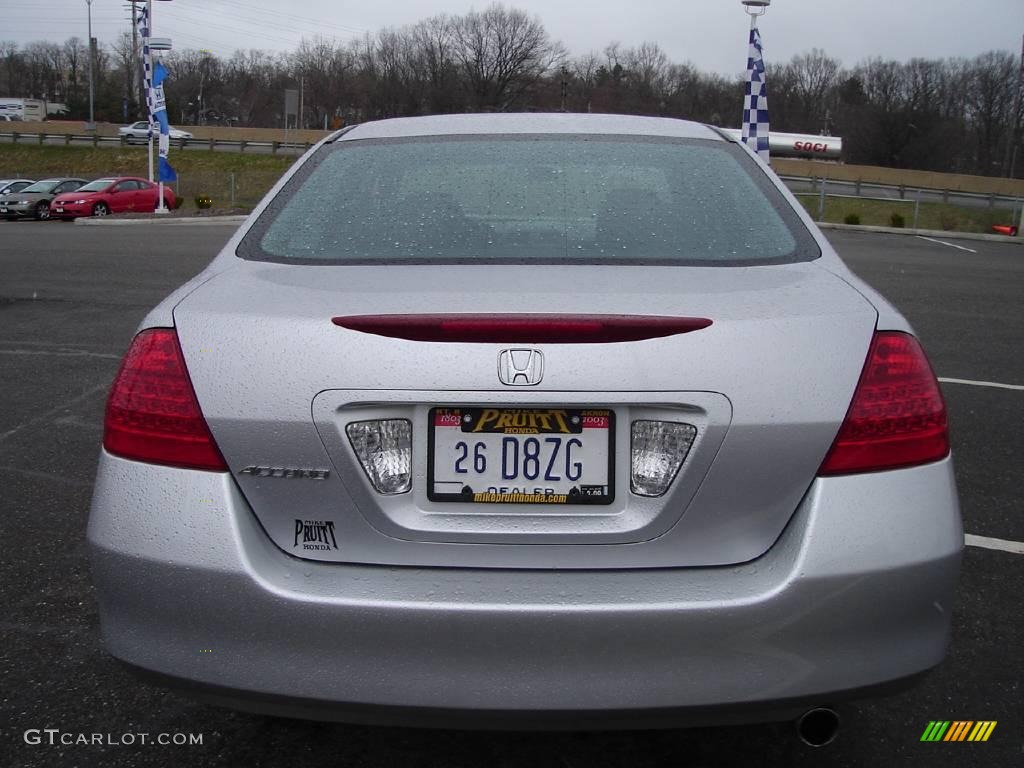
149	113
1011	141
137	85
91	126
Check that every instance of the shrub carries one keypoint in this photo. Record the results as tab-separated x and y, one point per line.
852	218
896	220
204	201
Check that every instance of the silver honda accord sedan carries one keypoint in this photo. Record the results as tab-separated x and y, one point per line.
527	421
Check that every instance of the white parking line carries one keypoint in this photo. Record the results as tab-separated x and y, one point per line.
986	542
974	383
943	242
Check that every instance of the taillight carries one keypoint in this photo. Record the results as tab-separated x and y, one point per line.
897	417
152	411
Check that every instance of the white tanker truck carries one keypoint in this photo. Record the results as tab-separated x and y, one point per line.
799	144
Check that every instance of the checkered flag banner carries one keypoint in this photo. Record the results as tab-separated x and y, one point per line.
755	103
142	21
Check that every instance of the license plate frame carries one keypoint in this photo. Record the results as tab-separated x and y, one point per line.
598	420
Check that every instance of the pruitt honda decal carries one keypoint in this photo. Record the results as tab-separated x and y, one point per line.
315	535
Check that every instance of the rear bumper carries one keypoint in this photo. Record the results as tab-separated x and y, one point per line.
855	595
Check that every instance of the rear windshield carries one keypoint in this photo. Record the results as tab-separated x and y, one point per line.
530	199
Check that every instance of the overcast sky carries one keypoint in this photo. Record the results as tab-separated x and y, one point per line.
709	33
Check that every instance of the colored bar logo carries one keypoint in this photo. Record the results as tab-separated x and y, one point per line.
958	730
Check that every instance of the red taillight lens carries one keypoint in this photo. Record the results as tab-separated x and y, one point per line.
152	411
897	417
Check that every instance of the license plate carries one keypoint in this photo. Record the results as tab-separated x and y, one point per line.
505	455
3	210
59	210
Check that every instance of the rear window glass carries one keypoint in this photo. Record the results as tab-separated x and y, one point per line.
546	199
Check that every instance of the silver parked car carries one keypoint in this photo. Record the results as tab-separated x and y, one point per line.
33	201
527	420
139	132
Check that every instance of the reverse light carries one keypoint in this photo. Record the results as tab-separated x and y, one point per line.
384	449
897	417
152	412
657	451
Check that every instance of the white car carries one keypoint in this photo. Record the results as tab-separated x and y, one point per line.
140	132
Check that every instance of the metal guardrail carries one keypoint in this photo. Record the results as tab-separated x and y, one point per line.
991	199
241	145
821	189
802	186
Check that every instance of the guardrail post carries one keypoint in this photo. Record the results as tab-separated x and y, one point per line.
856	187
274	146
991	201
821	201
14	137
241	145
308	145
95	139
945	197
917	208
67	139
213	143
124	140
42	139
903	192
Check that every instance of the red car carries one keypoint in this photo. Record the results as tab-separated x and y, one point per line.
105	196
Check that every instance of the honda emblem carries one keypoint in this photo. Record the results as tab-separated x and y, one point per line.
520	367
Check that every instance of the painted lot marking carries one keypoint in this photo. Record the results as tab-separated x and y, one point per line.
986	542
943	242
973	383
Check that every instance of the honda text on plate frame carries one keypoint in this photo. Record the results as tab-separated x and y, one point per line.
527	420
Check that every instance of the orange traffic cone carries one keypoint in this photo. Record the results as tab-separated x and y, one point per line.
1005	229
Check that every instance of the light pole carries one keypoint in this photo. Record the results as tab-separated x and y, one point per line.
91	125
149	44
754	9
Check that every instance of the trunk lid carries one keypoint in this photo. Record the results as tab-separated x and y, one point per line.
766	386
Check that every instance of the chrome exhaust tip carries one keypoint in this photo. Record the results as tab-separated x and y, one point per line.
818	727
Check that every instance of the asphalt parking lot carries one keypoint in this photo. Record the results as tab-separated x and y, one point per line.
70	299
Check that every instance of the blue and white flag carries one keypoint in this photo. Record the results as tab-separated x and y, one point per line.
159	107
755	103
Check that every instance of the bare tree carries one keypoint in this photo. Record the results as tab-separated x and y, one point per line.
503	53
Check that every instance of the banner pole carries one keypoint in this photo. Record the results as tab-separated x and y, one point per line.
148	62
